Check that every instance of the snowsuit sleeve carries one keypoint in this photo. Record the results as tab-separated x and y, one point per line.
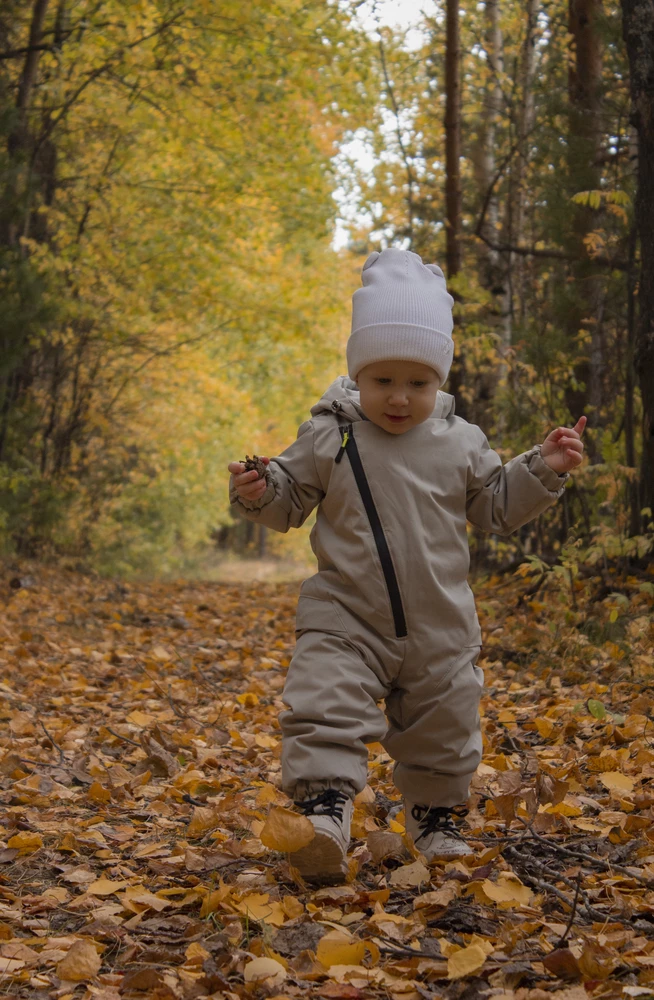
293	490
501	498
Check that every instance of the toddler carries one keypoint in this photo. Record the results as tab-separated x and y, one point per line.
389	615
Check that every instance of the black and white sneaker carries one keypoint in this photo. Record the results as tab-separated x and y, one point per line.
324	859
434	831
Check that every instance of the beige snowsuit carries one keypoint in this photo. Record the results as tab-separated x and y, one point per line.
389	614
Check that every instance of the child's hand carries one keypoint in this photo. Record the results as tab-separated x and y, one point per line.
562	449
248	484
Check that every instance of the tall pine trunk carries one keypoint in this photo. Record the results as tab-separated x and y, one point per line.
584	307
453	179
638	33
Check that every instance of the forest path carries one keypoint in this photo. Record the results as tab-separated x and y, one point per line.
140	757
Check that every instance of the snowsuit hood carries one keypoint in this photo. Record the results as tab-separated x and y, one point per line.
342	397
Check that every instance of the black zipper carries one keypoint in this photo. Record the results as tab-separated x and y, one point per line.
349	444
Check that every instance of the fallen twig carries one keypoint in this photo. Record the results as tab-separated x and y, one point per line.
62	755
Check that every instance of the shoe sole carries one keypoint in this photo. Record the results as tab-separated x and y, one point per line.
320	861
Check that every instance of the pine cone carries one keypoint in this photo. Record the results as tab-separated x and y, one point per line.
255	463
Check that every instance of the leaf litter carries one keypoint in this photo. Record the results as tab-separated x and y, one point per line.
144	835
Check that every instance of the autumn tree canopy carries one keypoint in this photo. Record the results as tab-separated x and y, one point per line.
171	291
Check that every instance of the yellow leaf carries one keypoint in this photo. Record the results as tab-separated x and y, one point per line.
98	794
267	794
265	741
196	954
264	968
104	887
286	831
57	892
466	961
248	698
160	653
140	718
81	963
258	906
202	820
337	948
137	897
292	907
10	964
26	842
545	727
617	782
212	900
409	876
508	891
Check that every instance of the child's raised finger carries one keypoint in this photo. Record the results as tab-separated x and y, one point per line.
581	423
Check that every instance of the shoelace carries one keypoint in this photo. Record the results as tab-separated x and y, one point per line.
328	803
435	819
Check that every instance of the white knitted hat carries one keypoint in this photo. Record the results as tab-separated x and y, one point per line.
402	313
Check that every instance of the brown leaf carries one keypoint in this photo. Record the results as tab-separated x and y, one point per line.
81	963
159	761
286	831
141	981
203	820
562	963
385	844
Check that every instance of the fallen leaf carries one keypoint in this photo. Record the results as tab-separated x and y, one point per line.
104	887
409	876
468	960
286	831
81	963
338	948
259	906
264	968
615	781
26	842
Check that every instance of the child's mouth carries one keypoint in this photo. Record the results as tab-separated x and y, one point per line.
396	420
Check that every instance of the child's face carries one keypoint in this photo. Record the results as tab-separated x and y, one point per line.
403	389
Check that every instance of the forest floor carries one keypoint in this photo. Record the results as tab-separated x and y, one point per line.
139	773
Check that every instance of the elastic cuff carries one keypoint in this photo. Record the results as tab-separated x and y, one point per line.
550	479
236	498
309	789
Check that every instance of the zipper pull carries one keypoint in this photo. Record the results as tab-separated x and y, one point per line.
346	437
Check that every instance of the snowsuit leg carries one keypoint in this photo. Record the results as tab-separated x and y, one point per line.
340	669
434	732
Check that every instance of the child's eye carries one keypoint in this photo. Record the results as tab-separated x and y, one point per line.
419	385
383	381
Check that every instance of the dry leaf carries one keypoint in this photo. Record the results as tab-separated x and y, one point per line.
615	781
338	948
105	887
264	968
26	842
202	821
81	963
409	876
468	960
259	906
286	831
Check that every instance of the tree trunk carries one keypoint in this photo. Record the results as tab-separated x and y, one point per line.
524	125
18	140
453	183
584	308
497	277
638	33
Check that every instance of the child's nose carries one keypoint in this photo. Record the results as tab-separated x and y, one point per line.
398	397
